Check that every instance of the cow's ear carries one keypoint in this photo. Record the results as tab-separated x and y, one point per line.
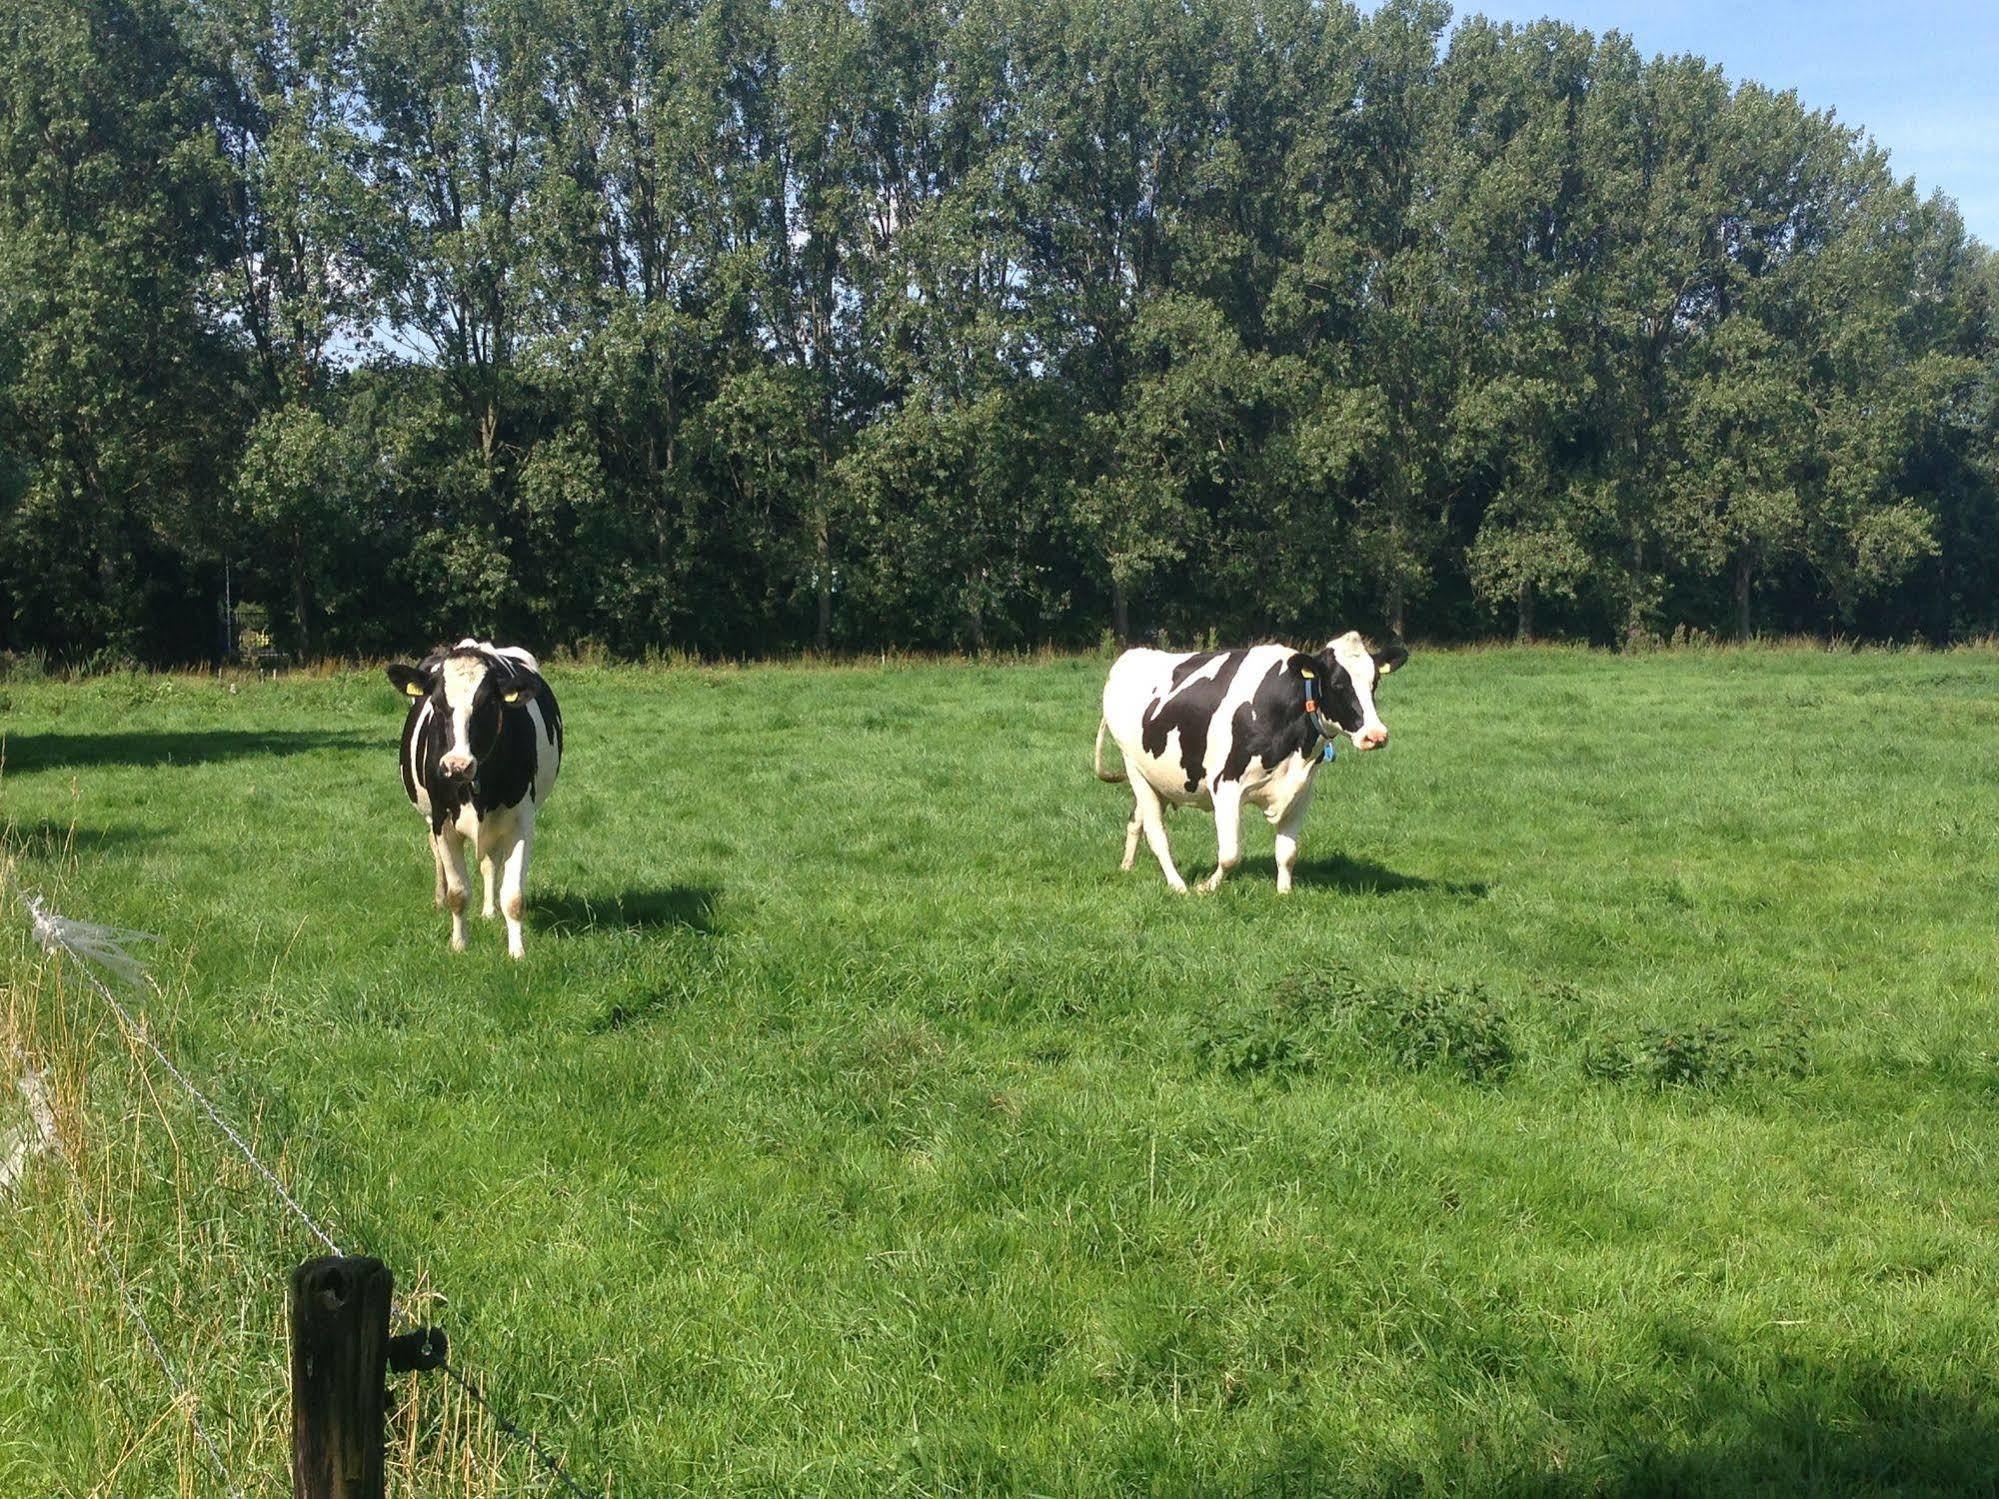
411	681
1327	665
1389	657
520	687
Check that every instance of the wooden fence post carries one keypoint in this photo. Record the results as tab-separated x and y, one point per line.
340	1352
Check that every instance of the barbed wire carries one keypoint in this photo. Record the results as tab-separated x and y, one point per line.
520	1434
85	941
183	1391
89	943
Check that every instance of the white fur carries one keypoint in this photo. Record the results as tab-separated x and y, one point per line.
462	676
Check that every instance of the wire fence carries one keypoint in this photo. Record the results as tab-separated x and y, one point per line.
184	1392
90	947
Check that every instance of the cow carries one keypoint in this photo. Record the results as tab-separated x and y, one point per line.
1215	729
480	750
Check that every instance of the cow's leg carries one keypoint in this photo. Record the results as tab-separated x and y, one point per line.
1131	832
1151	813
457	890
513	892
1290	820
486	878
437	862
1228	833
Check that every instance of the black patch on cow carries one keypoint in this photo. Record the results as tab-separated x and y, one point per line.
1190	708
1273	725
502	736
1193	664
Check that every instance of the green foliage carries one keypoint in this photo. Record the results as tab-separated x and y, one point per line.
736	327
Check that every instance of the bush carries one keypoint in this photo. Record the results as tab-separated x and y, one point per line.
30	665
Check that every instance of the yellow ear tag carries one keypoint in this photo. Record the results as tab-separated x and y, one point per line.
413	689
515	696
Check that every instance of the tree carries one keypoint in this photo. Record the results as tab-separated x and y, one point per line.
117	407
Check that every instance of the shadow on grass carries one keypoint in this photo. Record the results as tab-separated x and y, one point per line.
24	754
1855	1428
622	1014
58	840
1365	877
689	907
1875	1439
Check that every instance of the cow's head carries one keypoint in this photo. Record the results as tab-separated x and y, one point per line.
1352	669
468	689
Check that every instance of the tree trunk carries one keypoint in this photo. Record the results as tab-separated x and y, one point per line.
1396	600
1742	579
822	557
1120	611
1634	616
301	596
1523	600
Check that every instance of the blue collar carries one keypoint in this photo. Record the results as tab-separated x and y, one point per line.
1326	727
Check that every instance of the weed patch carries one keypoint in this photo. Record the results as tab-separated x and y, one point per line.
1449	1027
1444	1027
1711	1055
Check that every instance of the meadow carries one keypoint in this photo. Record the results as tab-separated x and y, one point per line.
1611	1110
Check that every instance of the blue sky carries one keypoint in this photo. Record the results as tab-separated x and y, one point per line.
1922	79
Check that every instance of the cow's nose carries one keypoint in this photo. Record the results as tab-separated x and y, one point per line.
456	765
1373	738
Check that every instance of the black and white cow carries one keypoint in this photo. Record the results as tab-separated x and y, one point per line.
1216	729
481	747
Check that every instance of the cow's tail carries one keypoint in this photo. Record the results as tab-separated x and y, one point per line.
1113	776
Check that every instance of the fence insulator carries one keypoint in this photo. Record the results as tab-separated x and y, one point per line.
418	1352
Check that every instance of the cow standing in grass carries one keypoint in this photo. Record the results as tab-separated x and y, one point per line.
1216	729
481	747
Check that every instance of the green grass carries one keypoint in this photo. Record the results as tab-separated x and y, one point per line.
1611	1109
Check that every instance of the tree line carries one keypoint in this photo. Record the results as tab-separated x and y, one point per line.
739	326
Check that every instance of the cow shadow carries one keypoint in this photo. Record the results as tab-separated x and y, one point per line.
50	840
1851	1427
25	754
686	907
1846	1431
1365	877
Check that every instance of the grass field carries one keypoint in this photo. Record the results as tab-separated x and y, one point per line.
1611	1110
